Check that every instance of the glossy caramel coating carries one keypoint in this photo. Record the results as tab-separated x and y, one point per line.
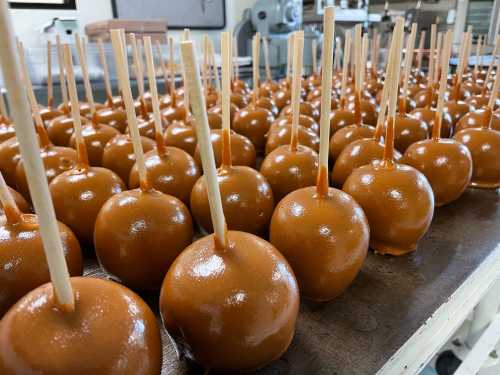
9	157
242	150
95	137
356	154
56	160
407	130
138	234
246	196
254	123
341	118
422	98
305	108
369	113
266	292
7	131
239	100
428	115
60	130
214	120
119	154
268	104
288	170
23	265
398	202
324	237
457	110
477	119
446	163
172	114
305	121
79	194
217	109
114	117
478	101
484	146
112	331
282	98
21	203
173	172
181	135
334	103
280	135
348	134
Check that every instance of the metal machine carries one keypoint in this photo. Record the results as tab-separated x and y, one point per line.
274	20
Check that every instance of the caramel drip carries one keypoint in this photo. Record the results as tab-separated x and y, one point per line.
173	101
50	101
489	121
94	120
343	102
402	106
456	91
389	143
12	213
44	137
144	111
82	156
144	184
160	145
357	108
222	244
436	130
428	97
322	182
294	141
109	101
226	149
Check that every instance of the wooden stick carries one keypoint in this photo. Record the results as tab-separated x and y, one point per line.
326	97
192	73
357	58
420	53
42	132
492	64
298	50
11	211
364	57
105	68
437	56
430	73
256	67
494	91
226	55
345	66
128	99
50	86
214	66
289	56
83	161
171	65
148	50
205	63
85	72
410	46
269	76
62	78
139	76
187	36
397	39
478	54
337	58
236	65
163	65
314	47
35	172
386	90
445	63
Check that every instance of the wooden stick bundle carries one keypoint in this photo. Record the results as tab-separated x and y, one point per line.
436	130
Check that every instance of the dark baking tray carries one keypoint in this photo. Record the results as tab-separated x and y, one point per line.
389	300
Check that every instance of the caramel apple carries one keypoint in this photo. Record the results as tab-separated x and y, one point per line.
217	109
182	134
260	283
446	163
305	121
21	203
254	123
305	108
280	135
428	115
368	111
329	225
79	194
478	119
268	104
138	233
170	170
242	150
9	157
484	145
397	199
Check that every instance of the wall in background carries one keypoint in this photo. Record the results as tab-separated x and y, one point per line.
29	22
